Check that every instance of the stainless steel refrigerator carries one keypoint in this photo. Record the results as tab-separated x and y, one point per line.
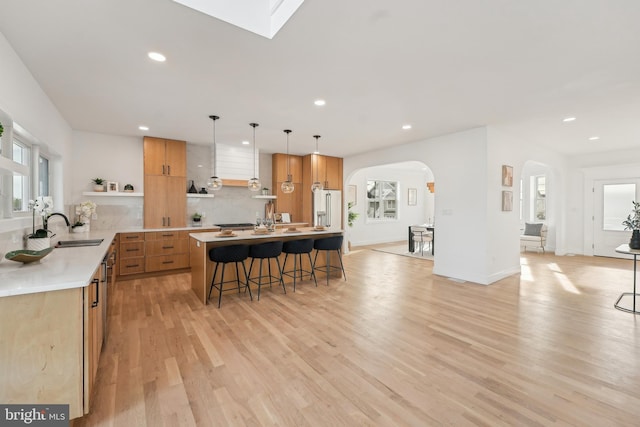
327	208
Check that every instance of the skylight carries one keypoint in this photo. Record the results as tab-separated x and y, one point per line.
263	17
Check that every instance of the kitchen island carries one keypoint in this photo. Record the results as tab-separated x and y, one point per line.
200	244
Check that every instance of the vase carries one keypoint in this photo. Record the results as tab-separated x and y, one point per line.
634	243
192	189
79	229
98	187
203	191
38	244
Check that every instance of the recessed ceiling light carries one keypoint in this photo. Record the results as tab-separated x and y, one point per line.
594	138
568	119
406	127
199	166
245	142
143	127
157	56
319	102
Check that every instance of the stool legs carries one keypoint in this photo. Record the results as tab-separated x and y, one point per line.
327	265
271	277
297	257
221	284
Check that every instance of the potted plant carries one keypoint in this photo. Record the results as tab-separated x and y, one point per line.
1	129
196	217
633	223
78	227
39	239
128	188
352	216
98	184
265	191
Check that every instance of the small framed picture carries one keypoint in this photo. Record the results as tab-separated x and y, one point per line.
412	196
286	218
507	201
112	187
507	176
352	196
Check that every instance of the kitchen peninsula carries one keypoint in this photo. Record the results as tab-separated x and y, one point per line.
200	244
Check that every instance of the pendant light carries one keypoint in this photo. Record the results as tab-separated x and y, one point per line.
317	185
287	186
214	183
254	183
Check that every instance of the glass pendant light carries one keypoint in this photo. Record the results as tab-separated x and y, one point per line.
287	186
214	183
317	185
254	183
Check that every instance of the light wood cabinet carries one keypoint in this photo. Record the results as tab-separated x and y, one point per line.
131	253
166	251
165	157
52	343
327	170
165	183
292	202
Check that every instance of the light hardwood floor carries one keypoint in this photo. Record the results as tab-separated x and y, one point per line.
392	346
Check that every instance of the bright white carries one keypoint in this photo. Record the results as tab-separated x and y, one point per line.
157	56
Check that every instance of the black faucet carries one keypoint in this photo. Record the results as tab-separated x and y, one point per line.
59	214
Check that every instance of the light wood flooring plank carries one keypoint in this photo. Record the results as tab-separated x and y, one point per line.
393	345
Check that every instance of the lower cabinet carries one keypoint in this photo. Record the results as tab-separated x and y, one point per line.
51	346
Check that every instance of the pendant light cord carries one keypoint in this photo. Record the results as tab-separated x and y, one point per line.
317	154
215	147
255	169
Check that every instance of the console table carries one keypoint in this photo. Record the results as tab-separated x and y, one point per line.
624	249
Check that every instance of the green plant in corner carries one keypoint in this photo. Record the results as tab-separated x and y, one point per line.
352	216
1	129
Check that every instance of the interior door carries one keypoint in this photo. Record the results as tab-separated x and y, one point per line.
612	204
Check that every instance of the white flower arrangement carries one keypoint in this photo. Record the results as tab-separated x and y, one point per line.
43	206
84	211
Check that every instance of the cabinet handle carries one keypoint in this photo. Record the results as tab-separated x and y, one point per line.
132	237
167	262
132	250
162	169
97	298
163	222
133	265
167	247
168	235
168	169
169	221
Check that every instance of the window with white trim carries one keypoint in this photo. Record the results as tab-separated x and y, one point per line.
382	200
21	193
539	198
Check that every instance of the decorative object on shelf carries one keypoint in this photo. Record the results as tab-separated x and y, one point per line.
214	183
351	216
112	187
265	191
317	185
196	217
128	188
203	191
79	227
633	223
98	184
26	256
287	186
192	188
254	183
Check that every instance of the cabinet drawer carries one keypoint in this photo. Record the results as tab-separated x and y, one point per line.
167	262
131	249
131	266
131	237
166	247
166	235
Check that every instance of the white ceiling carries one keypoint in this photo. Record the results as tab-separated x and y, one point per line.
442	66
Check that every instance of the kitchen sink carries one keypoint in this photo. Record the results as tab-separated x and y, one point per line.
78	243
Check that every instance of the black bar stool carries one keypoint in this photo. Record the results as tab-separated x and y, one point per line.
297	248
222	256
266	251
329	244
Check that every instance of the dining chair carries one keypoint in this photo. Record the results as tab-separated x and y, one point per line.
421	235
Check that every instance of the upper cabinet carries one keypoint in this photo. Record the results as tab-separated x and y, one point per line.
165	183
165	157
279	168
292	202
326	169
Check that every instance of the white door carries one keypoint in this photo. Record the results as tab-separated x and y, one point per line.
612	204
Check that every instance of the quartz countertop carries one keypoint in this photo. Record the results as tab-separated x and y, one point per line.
250	234
63	268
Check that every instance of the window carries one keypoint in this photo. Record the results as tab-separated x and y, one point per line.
540	201
615	198
382	200
43	176
21	155
521	200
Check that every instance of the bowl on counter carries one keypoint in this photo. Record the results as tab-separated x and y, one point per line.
27	256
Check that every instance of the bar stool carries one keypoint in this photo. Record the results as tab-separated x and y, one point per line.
224	255
297	248
266	251
329	244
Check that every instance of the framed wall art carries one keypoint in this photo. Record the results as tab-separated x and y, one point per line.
412	196
112	187
507	176
507	201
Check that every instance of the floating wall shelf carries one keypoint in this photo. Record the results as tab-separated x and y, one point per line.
263	197
202	196
111	194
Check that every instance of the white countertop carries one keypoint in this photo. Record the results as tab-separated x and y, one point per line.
249	234
63	268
